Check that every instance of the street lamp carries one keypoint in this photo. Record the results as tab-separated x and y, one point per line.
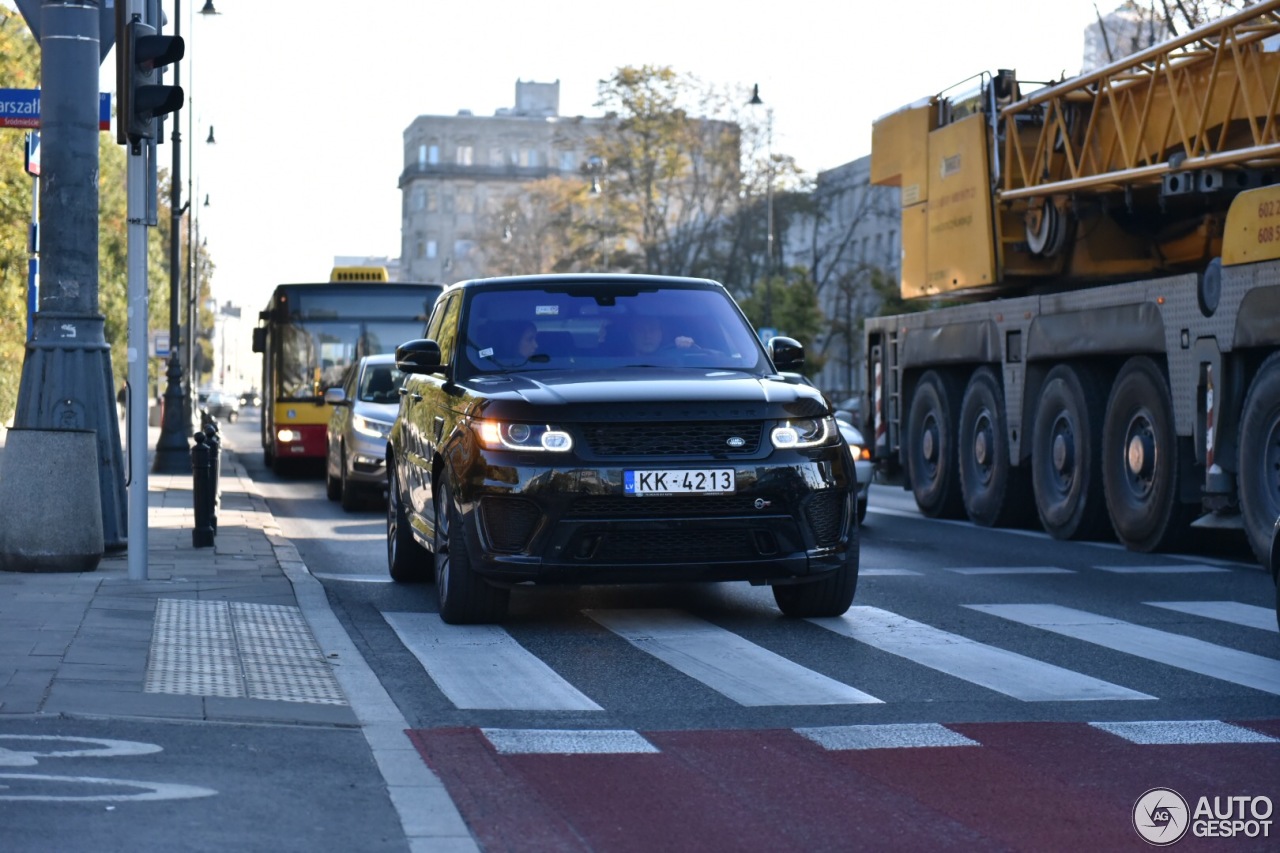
171	454
768	204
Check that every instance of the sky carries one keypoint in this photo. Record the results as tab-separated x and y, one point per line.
309	100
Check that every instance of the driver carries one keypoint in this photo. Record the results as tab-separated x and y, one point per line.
646	336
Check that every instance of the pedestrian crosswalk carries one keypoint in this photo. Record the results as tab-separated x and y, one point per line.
488	668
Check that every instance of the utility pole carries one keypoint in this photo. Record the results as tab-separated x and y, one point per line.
66	379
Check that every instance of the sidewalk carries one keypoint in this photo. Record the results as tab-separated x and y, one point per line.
239	632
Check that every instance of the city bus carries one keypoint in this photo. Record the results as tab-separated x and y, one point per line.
310	333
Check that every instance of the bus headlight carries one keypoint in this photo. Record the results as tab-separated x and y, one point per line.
288	436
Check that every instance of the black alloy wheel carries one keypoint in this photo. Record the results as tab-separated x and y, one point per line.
462	596
407	561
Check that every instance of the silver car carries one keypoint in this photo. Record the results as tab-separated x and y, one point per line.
364	407
861	463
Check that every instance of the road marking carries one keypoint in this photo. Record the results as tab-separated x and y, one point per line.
737	668
144	790
1180	569
568	741
868	573
1013	570
1181	732
997	669
1248	615
887	736
1249	670
85	748
483	667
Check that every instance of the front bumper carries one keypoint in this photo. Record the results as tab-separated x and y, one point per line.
575	524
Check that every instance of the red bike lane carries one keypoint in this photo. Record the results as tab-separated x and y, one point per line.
1020	786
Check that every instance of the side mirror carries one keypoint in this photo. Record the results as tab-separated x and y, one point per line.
787	354
420	356
260	339
335	396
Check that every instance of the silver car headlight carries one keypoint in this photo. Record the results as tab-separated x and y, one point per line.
370	427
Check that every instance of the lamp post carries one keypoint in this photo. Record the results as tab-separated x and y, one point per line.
171	454
768	204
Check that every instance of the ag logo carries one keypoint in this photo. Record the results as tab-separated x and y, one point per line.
1160	816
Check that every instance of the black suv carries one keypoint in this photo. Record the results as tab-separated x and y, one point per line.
612	429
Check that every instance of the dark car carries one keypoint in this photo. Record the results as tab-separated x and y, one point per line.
220	404
612	429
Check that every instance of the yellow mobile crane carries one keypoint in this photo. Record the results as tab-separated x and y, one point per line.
1108	249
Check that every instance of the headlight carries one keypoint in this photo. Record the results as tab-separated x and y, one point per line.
501	435
289	435
803	432
370	427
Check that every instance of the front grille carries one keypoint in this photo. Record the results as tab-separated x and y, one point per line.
825	512
666	546
693	438
508	522
663	506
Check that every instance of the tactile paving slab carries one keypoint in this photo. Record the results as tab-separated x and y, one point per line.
237	650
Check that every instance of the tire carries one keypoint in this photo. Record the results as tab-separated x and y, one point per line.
931	447
1259	478
862	511
1066	445
1140	464
830	596
232	417
463	597
350	496
332	484
995	493
1275	565
407	561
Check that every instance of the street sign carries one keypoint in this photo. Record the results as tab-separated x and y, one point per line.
33	155
21	108
160	344
766	332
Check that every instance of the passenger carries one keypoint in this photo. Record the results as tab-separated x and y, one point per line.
647	336
518	340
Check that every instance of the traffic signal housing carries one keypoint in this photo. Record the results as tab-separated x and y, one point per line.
142	53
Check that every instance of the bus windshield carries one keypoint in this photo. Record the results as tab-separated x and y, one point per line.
314	354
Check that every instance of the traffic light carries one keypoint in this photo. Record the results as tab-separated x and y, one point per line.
142	53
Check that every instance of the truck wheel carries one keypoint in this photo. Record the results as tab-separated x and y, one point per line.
407	561
1260	457
1140	459
1066	445
931	447
830	596
995	493
464	598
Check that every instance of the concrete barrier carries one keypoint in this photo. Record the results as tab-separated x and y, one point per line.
50	507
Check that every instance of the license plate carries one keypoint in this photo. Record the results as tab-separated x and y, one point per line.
670	481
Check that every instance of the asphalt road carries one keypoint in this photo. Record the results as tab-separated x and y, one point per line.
602	711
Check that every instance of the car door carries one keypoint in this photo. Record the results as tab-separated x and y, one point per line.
420	412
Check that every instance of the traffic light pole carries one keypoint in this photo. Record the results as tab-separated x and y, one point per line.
136	179
66	379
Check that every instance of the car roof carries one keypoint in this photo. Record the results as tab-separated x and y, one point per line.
543	280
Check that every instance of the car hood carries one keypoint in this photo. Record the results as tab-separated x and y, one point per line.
697	393
377	411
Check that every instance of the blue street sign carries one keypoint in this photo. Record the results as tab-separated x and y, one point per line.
21	108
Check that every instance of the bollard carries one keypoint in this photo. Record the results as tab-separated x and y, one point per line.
214	439
201	492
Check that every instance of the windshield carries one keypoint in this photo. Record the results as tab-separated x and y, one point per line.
380	384
607	326
315	355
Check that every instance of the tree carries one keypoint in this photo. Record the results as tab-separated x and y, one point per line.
671	176
795	312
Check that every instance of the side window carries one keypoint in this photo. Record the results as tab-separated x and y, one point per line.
349	382
436	320
447	333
